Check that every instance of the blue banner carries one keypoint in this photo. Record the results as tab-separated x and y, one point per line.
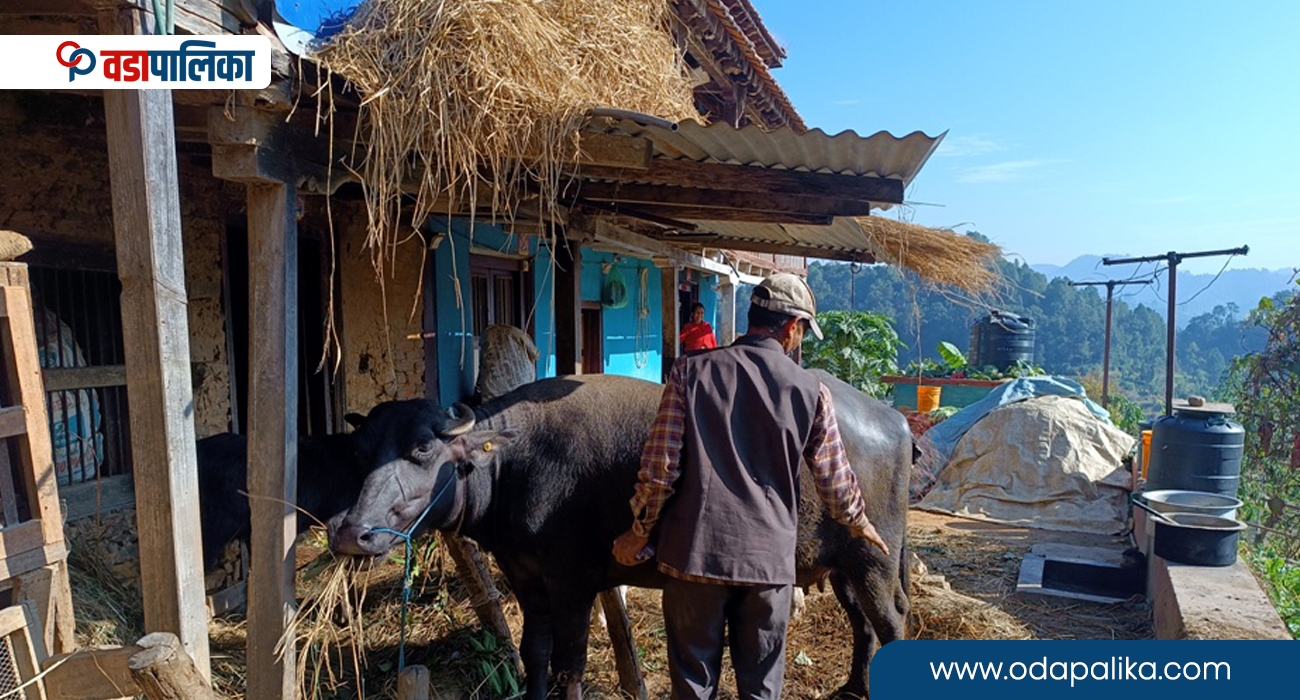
1051	669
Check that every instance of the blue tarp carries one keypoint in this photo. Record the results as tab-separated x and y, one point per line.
945	436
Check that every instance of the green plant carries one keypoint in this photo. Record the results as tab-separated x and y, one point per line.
1265	387
858	348
1125	413
493	662
955	366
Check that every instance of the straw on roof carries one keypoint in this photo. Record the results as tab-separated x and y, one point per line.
476	100
938	256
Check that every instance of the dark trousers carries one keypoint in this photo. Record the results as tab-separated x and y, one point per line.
756	617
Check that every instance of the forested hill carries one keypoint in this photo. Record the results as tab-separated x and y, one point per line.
1070	321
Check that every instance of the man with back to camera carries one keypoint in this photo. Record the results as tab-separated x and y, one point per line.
733	426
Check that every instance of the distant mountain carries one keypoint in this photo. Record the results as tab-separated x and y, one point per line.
1242	287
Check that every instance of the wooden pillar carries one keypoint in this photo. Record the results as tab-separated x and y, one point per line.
630	679
272	433
726	311
155	328
672	323
568	304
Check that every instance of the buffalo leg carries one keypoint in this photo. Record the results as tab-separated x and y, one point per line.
535	648
569	648
864	637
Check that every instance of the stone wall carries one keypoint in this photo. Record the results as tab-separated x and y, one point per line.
54	185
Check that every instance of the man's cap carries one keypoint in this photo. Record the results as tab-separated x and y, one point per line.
789	294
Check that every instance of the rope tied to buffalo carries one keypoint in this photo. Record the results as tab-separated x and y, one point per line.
406	537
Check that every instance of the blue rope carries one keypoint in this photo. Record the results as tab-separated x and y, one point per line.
405	537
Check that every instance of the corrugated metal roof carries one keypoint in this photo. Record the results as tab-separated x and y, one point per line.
880	155
847	153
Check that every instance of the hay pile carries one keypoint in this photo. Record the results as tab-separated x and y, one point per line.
938	256
476	102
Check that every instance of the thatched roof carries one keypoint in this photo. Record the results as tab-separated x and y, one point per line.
471	98
938	256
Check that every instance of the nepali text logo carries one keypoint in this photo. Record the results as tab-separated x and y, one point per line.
186	63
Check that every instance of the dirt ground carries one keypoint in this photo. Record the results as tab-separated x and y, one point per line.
968	593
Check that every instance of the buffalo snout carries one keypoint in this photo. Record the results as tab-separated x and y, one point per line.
356	539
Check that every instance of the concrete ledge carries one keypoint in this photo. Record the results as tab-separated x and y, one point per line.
1200	602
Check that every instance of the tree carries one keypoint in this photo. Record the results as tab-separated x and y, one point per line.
858	348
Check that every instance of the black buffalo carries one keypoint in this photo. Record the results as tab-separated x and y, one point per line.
541	477
329	478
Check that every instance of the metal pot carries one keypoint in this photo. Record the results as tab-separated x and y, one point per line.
1191	538
1198	502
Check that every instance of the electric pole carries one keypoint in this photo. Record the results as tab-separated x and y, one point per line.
1172	259
1110	299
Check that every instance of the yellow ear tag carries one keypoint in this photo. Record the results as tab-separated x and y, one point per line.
487	447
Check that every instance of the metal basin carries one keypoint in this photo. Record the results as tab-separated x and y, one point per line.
1199	540
1197	502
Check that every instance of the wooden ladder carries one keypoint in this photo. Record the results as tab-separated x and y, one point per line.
33	555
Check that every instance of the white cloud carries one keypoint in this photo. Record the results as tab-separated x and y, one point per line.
1004	171
968	145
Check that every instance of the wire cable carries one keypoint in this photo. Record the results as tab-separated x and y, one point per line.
1211	284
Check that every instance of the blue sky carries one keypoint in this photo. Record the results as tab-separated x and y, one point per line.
1074	128
1107	126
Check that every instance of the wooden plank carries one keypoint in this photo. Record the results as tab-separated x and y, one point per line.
705	198
413	683
630	678
726	312
75	378
705	214
272	434
672	326
147	224
21	538
36	460
748	178
32	559
27	650
568	303
13	421
229	600
104	495
46	589
92	674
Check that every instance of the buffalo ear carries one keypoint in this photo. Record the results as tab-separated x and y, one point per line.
354	419
479	447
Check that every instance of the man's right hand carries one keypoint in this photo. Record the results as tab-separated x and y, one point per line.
867	531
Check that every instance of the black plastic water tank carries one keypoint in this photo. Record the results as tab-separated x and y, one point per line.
1002	339
1196	449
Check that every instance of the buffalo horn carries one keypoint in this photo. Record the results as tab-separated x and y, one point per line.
460	420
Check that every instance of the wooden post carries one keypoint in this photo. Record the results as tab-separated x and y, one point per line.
726	310
568	305
155	329
630	679
672	325
483	595
272	434
413	683
164	671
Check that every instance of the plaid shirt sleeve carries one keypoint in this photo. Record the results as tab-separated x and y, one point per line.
837	486
660	466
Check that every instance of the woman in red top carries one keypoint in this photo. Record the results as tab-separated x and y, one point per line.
698	335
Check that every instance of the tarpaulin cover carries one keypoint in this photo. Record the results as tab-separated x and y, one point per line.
1048	463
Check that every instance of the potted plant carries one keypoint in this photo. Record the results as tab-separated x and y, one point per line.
960	382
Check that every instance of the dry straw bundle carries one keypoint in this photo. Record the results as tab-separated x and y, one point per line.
938	256
472	103
327	631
